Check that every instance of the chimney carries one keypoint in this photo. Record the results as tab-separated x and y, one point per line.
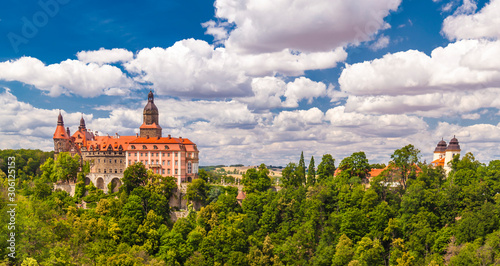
169	136
147	136
67	131
158	137
137	134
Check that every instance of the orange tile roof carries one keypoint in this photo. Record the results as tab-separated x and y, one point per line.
241	196
375	172
154	125
60	133
105	141
166	140
438	162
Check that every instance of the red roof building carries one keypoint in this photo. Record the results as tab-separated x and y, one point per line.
109	156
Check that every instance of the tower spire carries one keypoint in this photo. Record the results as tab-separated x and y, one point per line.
60	121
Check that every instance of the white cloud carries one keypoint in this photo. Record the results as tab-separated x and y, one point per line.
298	120
381	43
483	24
105	56
304	25
473	116
69	77
193	68
437	104
218	30
303	88
464	66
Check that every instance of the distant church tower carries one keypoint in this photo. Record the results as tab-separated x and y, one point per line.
150	126
452	150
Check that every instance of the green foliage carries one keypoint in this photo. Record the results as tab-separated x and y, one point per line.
311	172
355	166
197	191
256	180
326	168
336	221
134	176
406	159
66	167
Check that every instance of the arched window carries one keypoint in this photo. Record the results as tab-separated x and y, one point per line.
166	147
155	147
144	147
132	147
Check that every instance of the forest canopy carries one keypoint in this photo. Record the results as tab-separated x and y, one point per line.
410	214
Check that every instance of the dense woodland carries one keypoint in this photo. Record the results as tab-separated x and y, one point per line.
411	214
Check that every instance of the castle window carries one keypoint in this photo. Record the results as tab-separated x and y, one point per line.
163	154
129	162
115	160
157	154
189	167
166	147
99	170
132	147
104	170
176	171
142	154
98	160
168	162
162	171
110	171
168	171
116	171
155	147
121	171
168	154
144	147
110	161
163	162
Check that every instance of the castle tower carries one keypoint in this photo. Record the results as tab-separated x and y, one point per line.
452	150
82	126
61	138
150	126
440	150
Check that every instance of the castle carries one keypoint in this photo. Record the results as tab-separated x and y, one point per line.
109	156
443	154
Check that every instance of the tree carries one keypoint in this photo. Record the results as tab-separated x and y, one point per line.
343	252
254	180
291	176
66	167
355	165
405	160
327	167
301	169
197	191
311	172
134	176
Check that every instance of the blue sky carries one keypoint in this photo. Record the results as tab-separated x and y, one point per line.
254	81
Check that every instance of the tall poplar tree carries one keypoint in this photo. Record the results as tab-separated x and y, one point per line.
311	173
302	168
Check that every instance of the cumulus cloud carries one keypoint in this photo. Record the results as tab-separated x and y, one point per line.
193	68
69	77
459	77
105	56
437	104
304	25
303	88
483	24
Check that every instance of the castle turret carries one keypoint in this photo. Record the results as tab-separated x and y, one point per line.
82	126
150	126
452	150
61	137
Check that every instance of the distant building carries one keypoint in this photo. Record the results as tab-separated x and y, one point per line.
109	156
443	154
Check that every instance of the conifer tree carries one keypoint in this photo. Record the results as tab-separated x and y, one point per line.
311	173
302	168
